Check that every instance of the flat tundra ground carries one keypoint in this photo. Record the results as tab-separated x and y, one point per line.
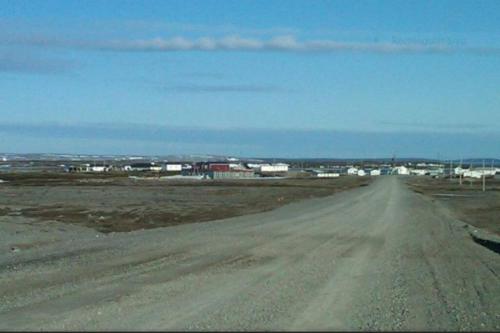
114	203
376	257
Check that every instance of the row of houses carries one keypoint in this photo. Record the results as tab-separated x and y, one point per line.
222	170
475	173
214	170
235	169
440	171
335	172
134	167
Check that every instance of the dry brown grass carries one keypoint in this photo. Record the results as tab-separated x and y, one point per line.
481	209
115	203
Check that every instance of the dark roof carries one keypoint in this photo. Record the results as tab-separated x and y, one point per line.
142	165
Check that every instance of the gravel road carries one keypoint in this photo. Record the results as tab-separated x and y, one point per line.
379	257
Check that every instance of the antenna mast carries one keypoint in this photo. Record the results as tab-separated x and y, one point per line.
484	178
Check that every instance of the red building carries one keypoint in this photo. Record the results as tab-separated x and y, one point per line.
219	167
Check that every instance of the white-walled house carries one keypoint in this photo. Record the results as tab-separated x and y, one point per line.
419	172
401	170
173	167
352	171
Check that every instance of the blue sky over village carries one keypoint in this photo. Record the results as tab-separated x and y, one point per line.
251	78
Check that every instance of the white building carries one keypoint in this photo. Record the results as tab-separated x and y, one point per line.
352	171
255	166
418	172
156	168
375	172
143	167
177	167
272	168
401	170
488	172
99	168
478	173
327	175
361	173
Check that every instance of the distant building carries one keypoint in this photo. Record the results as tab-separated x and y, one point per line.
233	174
141	167
401	170
436	172
267	169
77	168
385	171
220	170
327	175
219	167
274	168
375	172
202	168
479	172
352	171
172	167
89	168
419	172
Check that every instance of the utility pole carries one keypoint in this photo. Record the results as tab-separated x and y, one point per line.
484	178
451	168
460	171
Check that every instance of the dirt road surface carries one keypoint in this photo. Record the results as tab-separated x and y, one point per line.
379	257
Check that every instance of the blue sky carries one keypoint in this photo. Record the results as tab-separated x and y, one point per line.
251	78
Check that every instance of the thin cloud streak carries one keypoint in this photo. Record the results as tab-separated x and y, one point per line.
142	25
238	88
286	43
203	75
256	142
18	63
442	127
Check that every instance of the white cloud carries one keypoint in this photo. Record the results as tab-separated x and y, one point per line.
284	43
32	64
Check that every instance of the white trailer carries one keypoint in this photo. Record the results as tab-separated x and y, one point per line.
327	175
173	167
272	168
